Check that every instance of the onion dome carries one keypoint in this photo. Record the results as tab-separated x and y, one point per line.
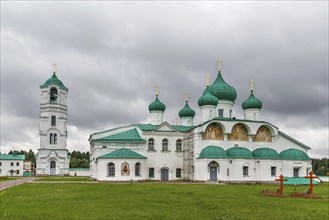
265	153
239	152
157	105
293	154
252	102
213	152
187	111
222	90
54	81
207	99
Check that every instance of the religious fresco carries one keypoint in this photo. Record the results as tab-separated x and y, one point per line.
263	134
214	131
125	169
239	133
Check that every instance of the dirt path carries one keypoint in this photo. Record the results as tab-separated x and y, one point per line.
15	182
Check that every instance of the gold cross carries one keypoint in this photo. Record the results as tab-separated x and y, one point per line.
252	85
186	96
219	64
156	89
54	66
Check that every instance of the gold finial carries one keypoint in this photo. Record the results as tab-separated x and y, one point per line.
54	66
186	96
219	64
156	89
252	85
207	79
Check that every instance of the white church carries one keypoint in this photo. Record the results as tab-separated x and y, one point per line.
217	148
52	157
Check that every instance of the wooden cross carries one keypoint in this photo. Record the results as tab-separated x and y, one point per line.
281	179
311	177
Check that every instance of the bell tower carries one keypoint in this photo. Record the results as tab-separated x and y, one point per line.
52	157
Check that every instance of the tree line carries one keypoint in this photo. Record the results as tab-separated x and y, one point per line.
77	159
321	166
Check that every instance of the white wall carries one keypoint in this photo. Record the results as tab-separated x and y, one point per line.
7	165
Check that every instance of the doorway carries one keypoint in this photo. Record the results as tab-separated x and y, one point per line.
164	174
52	168
213	170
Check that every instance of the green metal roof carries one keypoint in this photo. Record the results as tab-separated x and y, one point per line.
182	128
298	181
54	81
123	153
157	105
213	152
239	152
187	111
207	98
252	102
222	90
293	154
126	136
149	127
79	169
12	157
265	153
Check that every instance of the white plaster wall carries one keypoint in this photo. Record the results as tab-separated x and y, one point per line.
227	106
79	172
208	112
186	121
44	157
252	114
156	117
6	167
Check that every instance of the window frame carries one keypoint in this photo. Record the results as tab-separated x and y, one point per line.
165	144
179	144
245	170
111	169
273	171
138	169
178	172
150	146
53	98
151	172
53	120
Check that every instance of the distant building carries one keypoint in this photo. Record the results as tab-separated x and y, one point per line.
219	148
11	164
52	157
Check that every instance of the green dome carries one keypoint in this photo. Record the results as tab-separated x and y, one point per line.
54	81
186	111
222	90
265	153
293	154
207	99
239	152
213	152
157	105
252	102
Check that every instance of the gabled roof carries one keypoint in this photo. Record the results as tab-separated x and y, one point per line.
12	157
294	140
123	153
126	136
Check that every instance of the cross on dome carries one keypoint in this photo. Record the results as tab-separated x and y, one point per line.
54	66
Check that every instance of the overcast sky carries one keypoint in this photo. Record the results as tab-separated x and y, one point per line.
111	54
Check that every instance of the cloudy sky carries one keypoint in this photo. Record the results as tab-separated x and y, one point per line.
111	54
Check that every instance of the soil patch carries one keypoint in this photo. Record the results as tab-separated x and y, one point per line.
304	195
271	193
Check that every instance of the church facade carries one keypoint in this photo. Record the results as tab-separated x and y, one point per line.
219	148
52	157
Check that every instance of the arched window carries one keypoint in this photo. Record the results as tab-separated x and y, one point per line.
111	169
151	144
51	138
165	144
179	145
55	138
53	95
138	169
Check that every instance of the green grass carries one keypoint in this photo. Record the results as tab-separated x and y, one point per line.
2	179
66	178
158	201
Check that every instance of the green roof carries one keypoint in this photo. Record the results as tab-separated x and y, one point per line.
123	153
293	154
298	181
79	169
207	98
149	127
239	152
54	81
157	105
252	102
12	157
265	153
222	90
213	152
187	111
126	136
182	128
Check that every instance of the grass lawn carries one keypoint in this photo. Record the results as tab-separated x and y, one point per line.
158	201
9	178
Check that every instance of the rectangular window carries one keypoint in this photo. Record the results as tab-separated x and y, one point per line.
17	172
151	172
178	172
245	171
0	163
228	172
273	171
220	112
17	163
296	172
12	164
53	120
